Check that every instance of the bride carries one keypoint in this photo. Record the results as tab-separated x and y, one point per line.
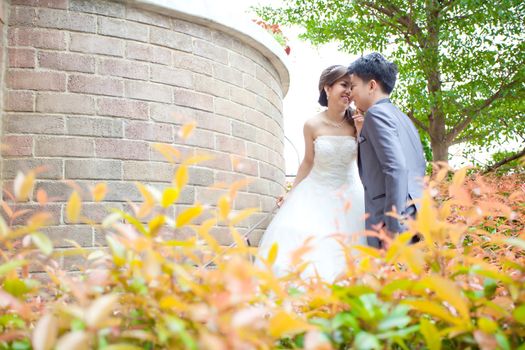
325	206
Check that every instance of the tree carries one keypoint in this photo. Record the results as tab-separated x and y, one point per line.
461	62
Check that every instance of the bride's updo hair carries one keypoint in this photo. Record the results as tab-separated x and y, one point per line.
329	77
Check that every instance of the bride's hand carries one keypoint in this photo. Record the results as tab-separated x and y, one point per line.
359	118
280	200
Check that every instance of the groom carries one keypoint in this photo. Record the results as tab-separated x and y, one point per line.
391	159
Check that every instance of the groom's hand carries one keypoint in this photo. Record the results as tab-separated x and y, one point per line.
359	118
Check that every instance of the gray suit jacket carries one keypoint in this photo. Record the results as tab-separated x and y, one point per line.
391	166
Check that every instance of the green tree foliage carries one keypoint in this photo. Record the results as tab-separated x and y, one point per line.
461	62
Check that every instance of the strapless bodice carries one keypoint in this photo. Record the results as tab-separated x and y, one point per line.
335	160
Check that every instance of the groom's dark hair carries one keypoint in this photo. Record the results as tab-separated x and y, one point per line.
375	66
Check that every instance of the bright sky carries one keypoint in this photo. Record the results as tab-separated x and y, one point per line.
305	63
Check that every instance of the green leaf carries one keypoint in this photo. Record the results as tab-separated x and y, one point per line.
42	242
346	320
517	242
122	347
487	325
398	318
177	326
489	288
18	287
519	314
11	265
355	291
502	341
366	341
11	320
21	345
132	220
431	334
394	286
398	333
117	249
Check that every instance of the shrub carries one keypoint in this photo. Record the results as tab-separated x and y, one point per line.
461	287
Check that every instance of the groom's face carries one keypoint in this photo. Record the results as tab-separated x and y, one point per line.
360	92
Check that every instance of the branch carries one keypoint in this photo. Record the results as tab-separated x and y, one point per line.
461	140
504	161
504	122
448	4
457	18
417	121
470	112
411	26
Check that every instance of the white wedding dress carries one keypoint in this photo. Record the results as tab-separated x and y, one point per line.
327	205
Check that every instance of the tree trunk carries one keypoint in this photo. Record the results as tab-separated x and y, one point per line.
439	151
437	132
437	129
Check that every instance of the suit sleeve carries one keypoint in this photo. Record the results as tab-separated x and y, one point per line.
384	138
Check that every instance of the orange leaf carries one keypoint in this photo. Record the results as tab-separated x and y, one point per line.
19	213
149	200
7	209
169	152
45	333
224	207
243	214
376	253
442	173
198	158
156	224
414	258
238	238
272	254
23	185
459	177
99	192
38	220
73	207
171	302
169	196
78	340
187	215
433	309
4	229
426	217
203	230
431	334
41	197
181	177
237	185
186	130
100	310
448	291
284	323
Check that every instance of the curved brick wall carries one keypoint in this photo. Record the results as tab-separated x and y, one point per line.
89	86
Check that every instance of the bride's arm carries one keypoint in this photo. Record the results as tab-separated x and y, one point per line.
308	160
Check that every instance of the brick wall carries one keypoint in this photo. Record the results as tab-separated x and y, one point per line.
90	86
3	36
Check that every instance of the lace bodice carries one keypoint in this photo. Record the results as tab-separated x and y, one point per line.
335	161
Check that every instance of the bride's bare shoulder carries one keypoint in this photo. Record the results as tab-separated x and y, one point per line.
314	122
